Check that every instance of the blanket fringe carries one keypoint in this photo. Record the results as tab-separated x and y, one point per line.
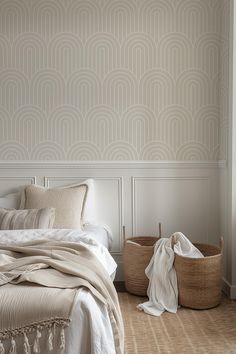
50	340
36	342
27	349
13	347
51	325
2	350
62	336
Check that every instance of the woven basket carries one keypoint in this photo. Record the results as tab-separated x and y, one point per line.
199	279
136	257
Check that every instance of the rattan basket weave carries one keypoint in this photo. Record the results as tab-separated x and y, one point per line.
199	279
136	257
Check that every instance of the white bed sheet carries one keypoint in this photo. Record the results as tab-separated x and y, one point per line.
90	331
101	233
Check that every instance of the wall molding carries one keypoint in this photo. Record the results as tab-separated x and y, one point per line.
228	289
31	179
114	164
118	210
134	181
118	179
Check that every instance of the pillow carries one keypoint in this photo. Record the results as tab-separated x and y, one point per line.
10	201
68	203
89	210
12	219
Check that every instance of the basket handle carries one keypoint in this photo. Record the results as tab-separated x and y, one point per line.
159	226
221	244
124	238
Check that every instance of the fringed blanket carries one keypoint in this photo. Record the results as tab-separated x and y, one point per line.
47	275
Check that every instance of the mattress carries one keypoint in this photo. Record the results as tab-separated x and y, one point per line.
90	331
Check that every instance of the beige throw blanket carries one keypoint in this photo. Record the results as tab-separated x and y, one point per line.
47	275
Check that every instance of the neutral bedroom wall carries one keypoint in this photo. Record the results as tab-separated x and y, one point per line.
123	80
112	80
228	173
225	173
224	74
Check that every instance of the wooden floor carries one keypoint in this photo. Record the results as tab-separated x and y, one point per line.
189	331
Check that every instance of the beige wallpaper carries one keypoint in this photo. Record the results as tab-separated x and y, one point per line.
113	79
224	78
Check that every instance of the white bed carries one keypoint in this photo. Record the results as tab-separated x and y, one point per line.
90	331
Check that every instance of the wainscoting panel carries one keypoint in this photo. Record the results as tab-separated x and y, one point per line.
108	191
183	196
179	203
9	184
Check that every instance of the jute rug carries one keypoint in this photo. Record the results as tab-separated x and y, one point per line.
189	331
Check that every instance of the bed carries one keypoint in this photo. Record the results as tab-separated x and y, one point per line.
90	329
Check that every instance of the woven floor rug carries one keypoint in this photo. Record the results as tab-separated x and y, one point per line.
189	331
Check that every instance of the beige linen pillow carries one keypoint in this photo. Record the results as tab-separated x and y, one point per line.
12	219
68	202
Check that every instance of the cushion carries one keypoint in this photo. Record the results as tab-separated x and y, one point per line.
68	203
89	209
12	219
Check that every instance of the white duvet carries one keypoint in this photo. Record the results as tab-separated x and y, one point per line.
90	331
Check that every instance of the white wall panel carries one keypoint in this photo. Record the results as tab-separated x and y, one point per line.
179	203
10	183
184	196
109	202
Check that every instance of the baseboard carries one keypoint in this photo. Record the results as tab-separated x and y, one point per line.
229	289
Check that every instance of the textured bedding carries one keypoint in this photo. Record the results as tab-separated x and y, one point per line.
94	236
91	328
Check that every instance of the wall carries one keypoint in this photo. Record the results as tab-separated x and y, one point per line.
111	80
224	87
183	196
124	80
228	173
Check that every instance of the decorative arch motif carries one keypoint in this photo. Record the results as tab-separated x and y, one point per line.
114	79
46	151
84	151
12	150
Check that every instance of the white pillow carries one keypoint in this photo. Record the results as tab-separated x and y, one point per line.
10	201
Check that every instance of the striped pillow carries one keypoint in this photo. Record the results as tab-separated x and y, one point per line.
12	219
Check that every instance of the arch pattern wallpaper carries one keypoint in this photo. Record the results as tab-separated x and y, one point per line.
114	79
